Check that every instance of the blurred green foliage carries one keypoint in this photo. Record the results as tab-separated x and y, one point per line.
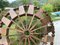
3	4
48	7
25	2
36	3
56	4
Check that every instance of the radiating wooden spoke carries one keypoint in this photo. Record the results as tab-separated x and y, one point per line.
20	21
13	29
39	28
35	37
25	41
28	41
34	25
20	41
17	25
13	35
26	20
20	31
10	28
33	40
31	21
36	33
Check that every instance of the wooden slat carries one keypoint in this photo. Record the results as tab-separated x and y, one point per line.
31	9
3	41
3	31
0	30
6	21
44	21
21	10
45	38
50	39
49	24
39	14
12	13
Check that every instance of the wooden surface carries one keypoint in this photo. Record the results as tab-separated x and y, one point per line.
6	21
3	41
21	10
12	13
